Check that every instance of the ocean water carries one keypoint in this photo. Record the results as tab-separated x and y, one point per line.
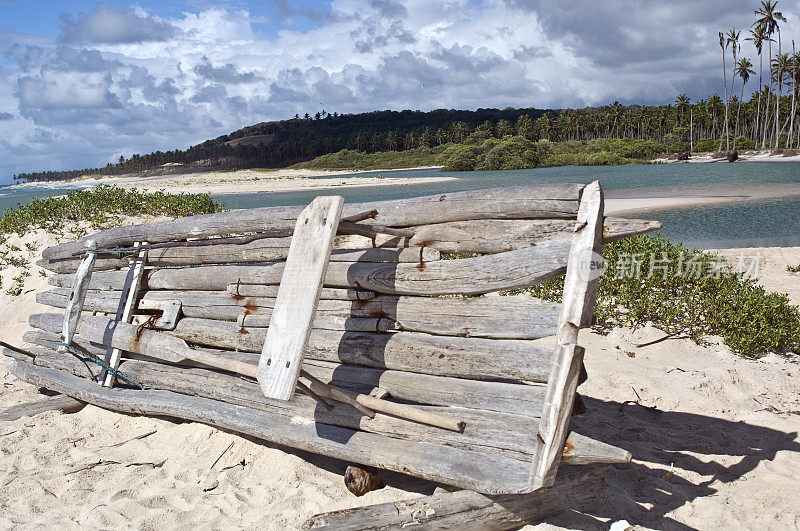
766	223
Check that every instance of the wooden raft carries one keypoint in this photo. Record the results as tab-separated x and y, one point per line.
397	319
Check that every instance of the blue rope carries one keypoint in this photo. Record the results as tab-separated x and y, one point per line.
94	359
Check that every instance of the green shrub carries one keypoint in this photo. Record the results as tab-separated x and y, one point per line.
706	145
717	300
382	160
508	153
742	142
97	204
459	157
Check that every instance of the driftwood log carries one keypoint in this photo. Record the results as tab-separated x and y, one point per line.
263	250
61	403
469	276
361	480
521	317
475	358
580	490
525	202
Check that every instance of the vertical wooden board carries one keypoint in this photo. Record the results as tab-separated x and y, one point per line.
298	295
580	287
80	287
130	294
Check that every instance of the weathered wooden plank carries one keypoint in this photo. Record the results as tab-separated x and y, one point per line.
500	235
434	390
204	304
618	228
298	296
262	290
51	340
327	322
419	388
582	450
497	432
479	471
524	202
173	350
580	287
576	489
61	403
512	317
476	358
77	296
264	250
469	276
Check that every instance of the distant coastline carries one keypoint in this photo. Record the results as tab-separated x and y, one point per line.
745	156
245	181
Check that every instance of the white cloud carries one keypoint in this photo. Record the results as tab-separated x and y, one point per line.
121	80
114	24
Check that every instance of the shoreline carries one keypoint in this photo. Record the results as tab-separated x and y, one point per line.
749	155
255	180
628	201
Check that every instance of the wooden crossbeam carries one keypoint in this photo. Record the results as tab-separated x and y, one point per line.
298	295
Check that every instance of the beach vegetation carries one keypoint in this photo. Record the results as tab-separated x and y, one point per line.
793	269
481	152
99	207
348	159
717	300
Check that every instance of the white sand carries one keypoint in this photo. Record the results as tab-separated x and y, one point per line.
744	156
634	201
714	437
252	181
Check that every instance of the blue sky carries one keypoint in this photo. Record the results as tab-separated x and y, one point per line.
83	82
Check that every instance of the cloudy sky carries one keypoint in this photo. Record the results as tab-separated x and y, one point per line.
83	82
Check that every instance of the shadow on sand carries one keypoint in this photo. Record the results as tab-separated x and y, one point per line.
656	436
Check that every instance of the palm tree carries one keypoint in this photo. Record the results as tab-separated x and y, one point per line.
743	69
616	113
758	36
723	44
795	74
733	39
681	104
780	68
769	22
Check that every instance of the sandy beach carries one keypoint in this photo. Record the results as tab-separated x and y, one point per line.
744	156
252	181
714	439
635	201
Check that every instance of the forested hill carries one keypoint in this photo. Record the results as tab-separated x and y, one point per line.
282	143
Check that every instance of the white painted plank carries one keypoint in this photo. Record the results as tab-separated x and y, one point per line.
130	292
80	287
298	295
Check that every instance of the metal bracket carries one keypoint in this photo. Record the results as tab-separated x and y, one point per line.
170	310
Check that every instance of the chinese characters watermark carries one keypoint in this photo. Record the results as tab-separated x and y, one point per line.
687	265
